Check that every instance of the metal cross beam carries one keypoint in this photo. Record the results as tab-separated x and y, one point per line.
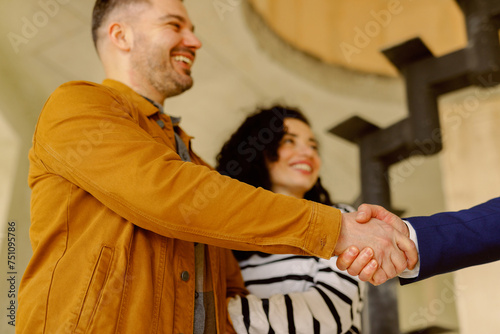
426	78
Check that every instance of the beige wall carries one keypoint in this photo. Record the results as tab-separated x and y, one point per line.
471	164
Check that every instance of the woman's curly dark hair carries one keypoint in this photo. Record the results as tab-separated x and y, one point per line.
243	156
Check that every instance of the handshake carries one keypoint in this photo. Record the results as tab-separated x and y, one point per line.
374	244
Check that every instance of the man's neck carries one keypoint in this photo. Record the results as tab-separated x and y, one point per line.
137	84
150	93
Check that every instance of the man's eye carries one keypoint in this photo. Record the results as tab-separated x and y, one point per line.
177	26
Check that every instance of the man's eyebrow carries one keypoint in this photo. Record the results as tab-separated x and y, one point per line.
174	16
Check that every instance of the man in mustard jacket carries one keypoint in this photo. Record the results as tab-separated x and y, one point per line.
129	227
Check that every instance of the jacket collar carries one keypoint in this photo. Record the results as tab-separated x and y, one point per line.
145	106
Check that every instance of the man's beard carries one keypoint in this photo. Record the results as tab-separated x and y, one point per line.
166	80
160	75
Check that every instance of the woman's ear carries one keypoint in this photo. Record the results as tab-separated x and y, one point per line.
121	36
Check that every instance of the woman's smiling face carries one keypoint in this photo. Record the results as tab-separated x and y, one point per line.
297	168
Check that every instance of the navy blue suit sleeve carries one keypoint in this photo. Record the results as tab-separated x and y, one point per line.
454	240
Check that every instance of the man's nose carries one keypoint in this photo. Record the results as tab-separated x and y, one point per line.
191	41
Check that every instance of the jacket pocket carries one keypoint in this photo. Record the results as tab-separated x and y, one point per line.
95	288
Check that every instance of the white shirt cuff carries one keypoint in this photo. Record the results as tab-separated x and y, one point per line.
412	273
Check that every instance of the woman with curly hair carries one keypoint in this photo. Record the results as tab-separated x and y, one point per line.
275	149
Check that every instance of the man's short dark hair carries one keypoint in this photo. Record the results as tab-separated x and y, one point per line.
102	8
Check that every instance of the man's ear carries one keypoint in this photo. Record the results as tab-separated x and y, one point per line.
121	36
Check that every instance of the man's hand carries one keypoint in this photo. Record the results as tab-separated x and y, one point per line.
360	264
387	250
368	211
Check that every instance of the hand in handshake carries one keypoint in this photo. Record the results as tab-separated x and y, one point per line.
383	239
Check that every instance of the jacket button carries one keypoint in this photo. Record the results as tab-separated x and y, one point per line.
185	276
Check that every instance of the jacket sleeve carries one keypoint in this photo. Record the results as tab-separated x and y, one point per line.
454	240
92	139
332	304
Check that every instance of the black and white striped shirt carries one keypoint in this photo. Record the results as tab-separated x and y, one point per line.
297	294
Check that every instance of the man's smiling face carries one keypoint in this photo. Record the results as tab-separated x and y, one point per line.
164	47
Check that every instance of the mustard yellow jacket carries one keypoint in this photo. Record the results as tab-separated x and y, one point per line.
115	214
